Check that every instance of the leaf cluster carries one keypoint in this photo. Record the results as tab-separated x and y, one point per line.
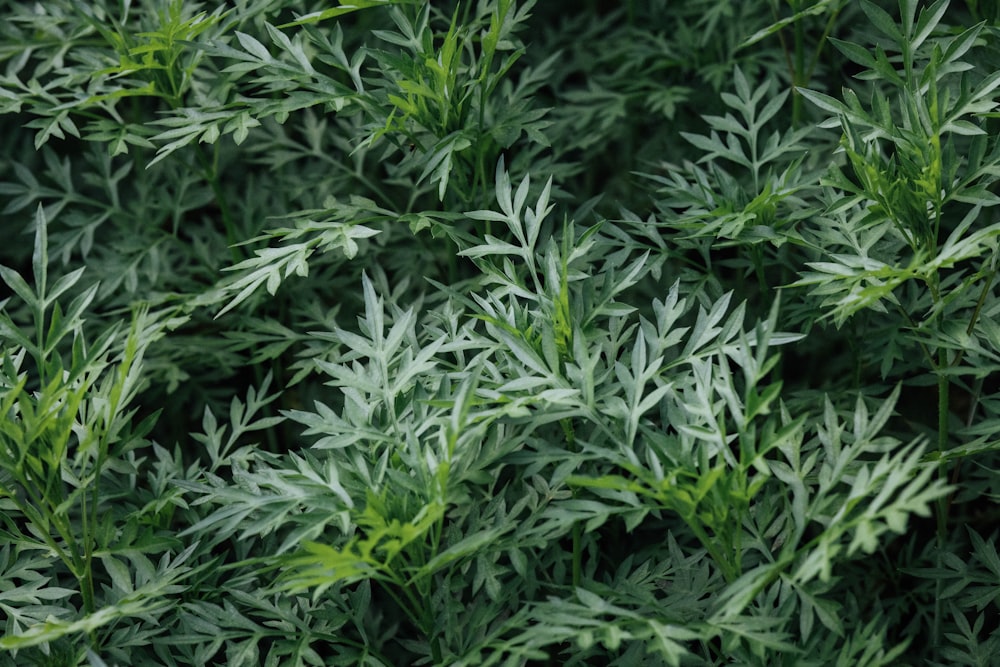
499	333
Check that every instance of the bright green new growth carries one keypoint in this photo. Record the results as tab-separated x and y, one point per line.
472	333
66	439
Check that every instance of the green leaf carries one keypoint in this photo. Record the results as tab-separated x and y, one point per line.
253	46
344	8
882	21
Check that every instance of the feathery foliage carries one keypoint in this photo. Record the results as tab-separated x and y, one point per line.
499	332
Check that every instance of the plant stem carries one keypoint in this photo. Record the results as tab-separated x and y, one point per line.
577	553
943	403
942	503
211	172
800	66
728	571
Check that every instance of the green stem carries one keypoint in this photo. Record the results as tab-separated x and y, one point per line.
728	571
820	44
570	434
211	172
89	515
913	326
577	553
800	66
987	288
31	507
943	403
480	182
757	255
941	506
784	48
409	606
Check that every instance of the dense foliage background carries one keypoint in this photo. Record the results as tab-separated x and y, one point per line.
499	333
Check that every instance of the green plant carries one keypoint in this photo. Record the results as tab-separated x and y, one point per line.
67	449
499	333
